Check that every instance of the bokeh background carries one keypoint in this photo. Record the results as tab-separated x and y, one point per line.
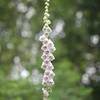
76	34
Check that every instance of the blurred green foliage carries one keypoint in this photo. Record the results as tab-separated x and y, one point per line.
70	54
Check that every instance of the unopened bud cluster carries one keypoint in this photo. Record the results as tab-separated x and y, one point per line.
46	28
48	48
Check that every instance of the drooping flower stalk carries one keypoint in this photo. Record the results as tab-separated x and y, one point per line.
48	48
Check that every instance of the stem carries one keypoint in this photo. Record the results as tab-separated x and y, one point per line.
45	98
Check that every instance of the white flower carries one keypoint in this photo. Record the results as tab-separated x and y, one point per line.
46	29
42	38
45	92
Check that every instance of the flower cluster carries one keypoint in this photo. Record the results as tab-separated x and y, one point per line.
47	48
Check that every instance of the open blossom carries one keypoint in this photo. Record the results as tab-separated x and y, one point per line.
42	38
51	74
47	56
48	66
47	80
51	57
48	45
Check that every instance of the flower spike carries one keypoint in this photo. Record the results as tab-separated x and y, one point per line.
48	48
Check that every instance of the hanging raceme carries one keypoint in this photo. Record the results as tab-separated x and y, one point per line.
48	48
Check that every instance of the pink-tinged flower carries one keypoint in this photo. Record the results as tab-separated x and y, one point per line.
44	56
50	66
47	56
51	57
45	41
50	43
50	46
46	52
50	82
45	80
52	49
44	48
49	73
44	66
46	62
